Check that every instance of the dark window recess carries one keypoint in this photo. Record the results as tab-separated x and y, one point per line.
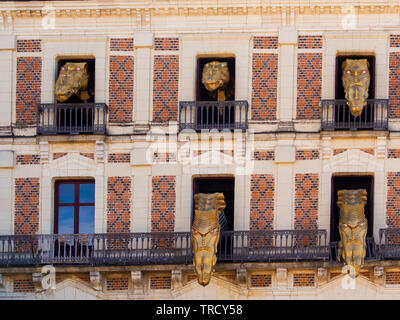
91	70
351	183
227	187
342	114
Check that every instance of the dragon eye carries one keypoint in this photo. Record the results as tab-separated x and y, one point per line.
364	71
196	232
348	71
62	68
78	68
211	231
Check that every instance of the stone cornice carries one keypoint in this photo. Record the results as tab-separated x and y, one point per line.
194	7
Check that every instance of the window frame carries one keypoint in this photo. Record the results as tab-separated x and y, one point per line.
76	204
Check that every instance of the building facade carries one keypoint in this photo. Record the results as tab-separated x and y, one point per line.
99	190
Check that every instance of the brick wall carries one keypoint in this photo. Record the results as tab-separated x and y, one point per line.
118	204
117	284
393	200
163	200
262	190
394	85
265	42
26	204
119	157
57	155
306	201
264	155
309	78
121	82
307	154
338	151
160	282
264	82
261	280
23	285
165	88
303	280
28	89
27	159
89	155
393	153
392	278
166	44
164	157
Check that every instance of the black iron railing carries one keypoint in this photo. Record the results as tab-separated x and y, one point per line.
371	253
335	115
160	248
71	118
389	243
198	115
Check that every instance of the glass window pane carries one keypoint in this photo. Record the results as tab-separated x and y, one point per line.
86	193
66	193
86	219
65	220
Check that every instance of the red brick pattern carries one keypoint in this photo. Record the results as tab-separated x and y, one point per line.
121	44
262	190
394	85
230	276
338	151
310	42
165	88
164	157
392	278
265	43
309	82
393	200
87	155
306	201
369	151
119	158
166	44
395	40
121	89
118	204
307	154
28	89
160	282
57	155
393	153
264	155
29	45
117	284
265	80
261	280
334	274
163	200
26	205
23	285
303	280
26	159
190	277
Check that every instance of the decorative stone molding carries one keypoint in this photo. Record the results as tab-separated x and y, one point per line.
137	282
282	277
322	275
37	278
100	152
176	279
379	272
381	147
95	280
241	276
44	151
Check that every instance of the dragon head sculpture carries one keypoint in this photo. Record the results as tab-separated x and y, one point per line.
205	233
215	78
73	79
352	228
356	80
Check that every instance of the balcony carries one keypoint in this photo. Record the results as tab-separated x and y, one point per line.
335	115
160	248
71	118
198	115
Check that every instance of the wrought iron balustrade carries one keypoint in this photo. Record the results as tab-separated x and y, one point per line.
198	115
371	253
71	118
389	243
335	115
160	248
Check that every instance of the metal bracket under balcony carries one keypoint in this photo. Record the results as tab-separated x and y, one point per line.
335	115
198	115
71	118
